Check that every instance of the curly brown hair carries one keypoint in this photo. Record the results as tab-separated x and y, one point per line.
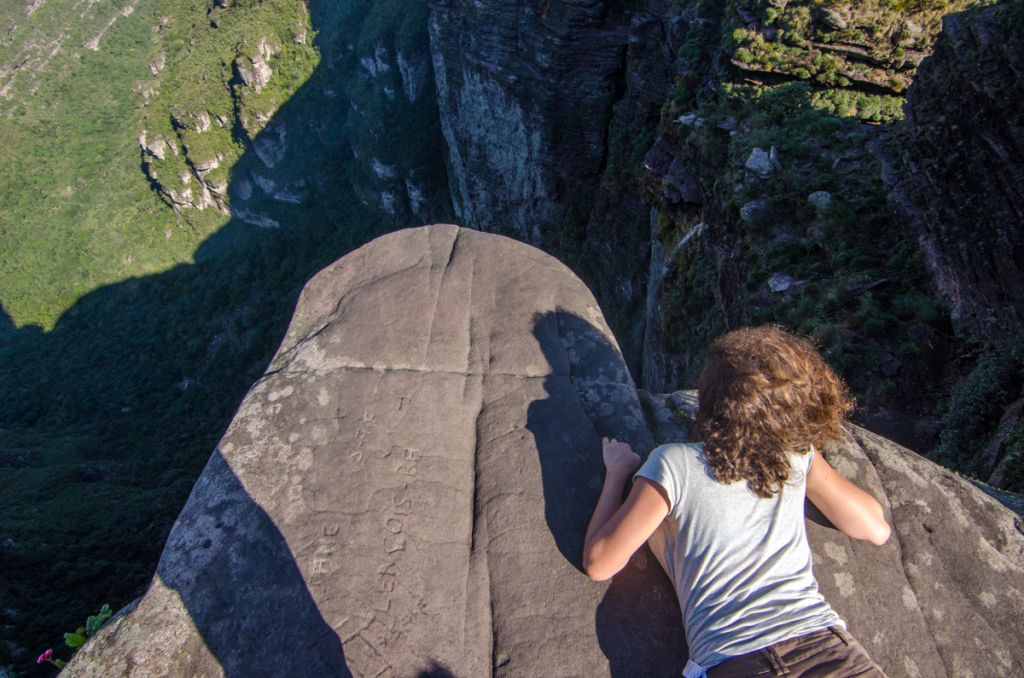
764	393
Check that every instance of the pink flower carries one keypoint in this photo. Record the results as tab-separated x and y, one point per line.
45	657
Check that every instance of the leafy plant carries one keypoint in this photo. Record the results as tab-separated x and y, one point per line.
976	405
77	638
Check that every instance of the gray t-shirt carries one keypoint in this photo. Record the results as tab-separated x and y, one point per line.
741	565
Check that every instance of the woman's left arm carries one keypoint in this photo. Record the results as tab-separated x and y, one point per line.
618	529
852	510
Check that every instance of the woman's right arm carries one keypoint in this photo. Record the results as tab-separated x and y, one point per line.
617	530
855	512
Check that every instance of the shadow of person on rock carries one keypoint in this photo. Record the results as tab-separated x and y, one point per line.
591	395
237	578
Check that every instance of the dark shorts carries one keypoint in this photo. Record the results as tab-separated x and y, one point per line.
831	653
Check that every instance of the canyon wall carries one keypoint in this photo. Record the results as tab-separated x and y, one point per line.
526	92
961	193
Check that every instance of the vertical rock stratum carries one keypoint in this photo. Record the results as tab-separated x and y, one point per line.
525	93
962	189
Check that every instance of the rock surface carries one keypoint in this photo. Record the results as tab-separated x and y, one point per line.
525	95
406	490
405	493
760	161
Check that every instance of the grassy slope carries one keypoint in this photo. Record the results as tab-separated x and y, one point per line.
107	418
75	212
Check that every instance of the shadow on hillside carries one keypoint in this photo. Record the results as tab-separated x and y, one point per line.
112	415
6	324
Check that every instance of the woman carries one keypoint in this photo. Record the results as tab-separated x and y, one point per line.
725	516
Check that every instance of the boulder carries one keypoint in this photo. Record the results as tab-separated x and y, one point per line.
782	282
760	161
756	210
820	199
406	490
832	19
680	184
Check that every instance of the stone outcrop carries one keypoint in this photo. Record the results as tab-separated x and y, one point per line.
405	493
255	70
961	193
408	486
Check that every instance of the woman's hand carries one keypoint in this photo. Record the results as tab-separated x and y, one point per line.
620	460
617	530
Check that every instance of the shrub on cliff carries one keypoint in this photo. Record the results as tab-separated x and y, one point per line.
977	404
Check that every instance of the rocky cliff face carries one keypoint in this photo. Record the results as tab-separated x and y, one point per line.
547	112
961	193
613	254
406	492
768	175
565	125
526	92
733	164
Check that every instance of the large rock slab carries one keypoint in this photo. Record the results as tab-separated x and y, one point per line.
406	490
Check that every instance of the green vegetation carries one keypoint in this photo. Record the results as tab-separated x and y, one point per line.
818	84
691	318
1012	467
135	324
976	406
853	277
211	94
74	212
77	638
109	418
826	100
874	45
